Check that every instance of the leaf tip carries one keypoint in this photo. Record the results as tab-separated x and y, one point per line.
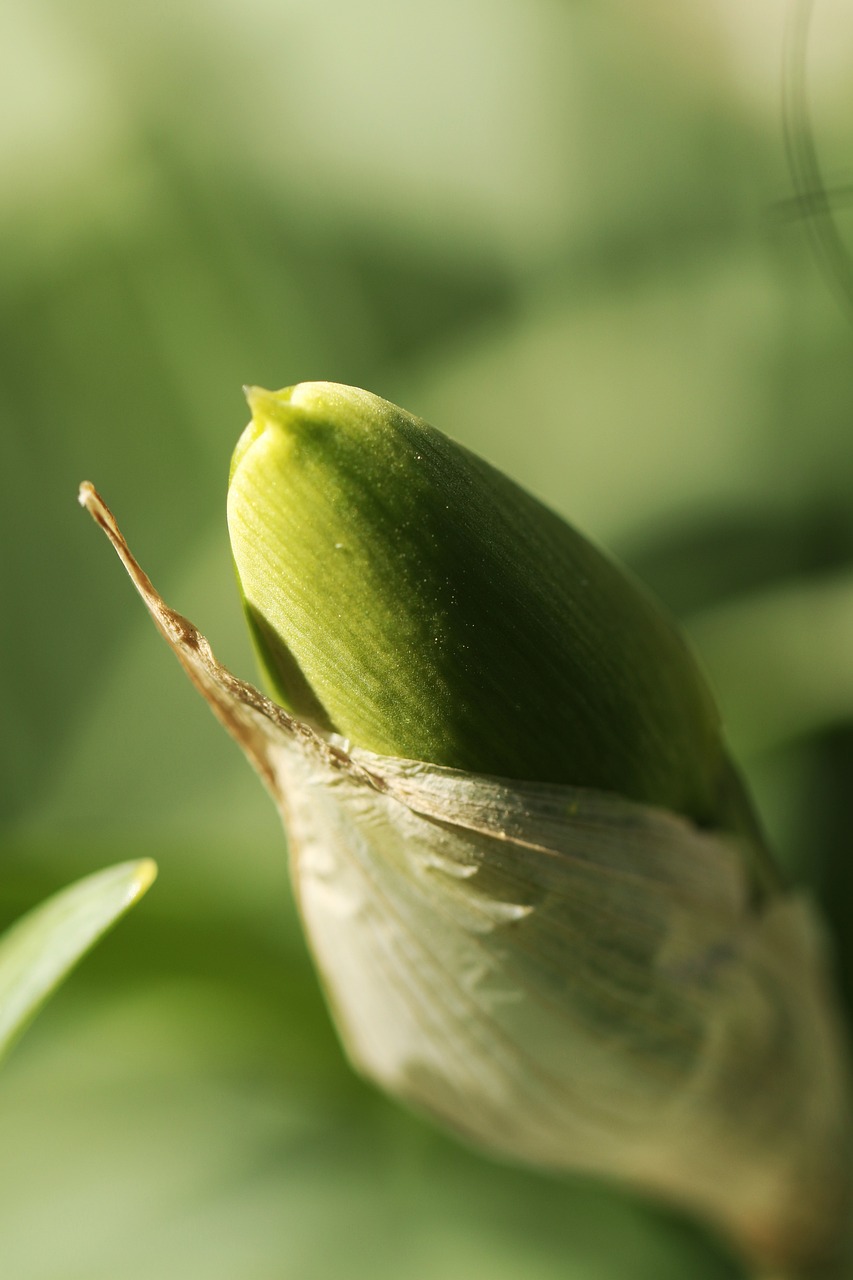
145	874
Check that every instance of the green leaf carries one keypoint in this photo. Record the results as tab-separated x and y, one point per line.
39	950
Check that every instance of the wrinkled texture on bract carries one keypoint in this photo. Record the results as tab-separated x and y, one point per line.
407	595
561	976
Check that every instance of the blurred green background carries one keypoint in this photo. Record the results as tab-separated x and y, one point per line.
557	229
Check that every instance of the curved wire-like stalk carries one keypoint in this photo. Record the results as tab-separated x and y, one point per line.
813	200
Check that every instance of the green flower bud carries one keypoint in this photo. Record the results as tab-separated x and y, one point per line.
408	596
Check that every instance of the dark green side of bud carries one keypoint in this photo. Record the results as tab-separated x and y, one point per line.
407	595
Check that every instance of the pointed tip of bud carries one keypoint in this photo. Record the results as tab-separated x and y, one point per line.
263	403
254	394
269	408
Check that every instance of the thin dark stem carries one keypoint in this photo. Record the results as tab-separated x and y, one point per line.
812	197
